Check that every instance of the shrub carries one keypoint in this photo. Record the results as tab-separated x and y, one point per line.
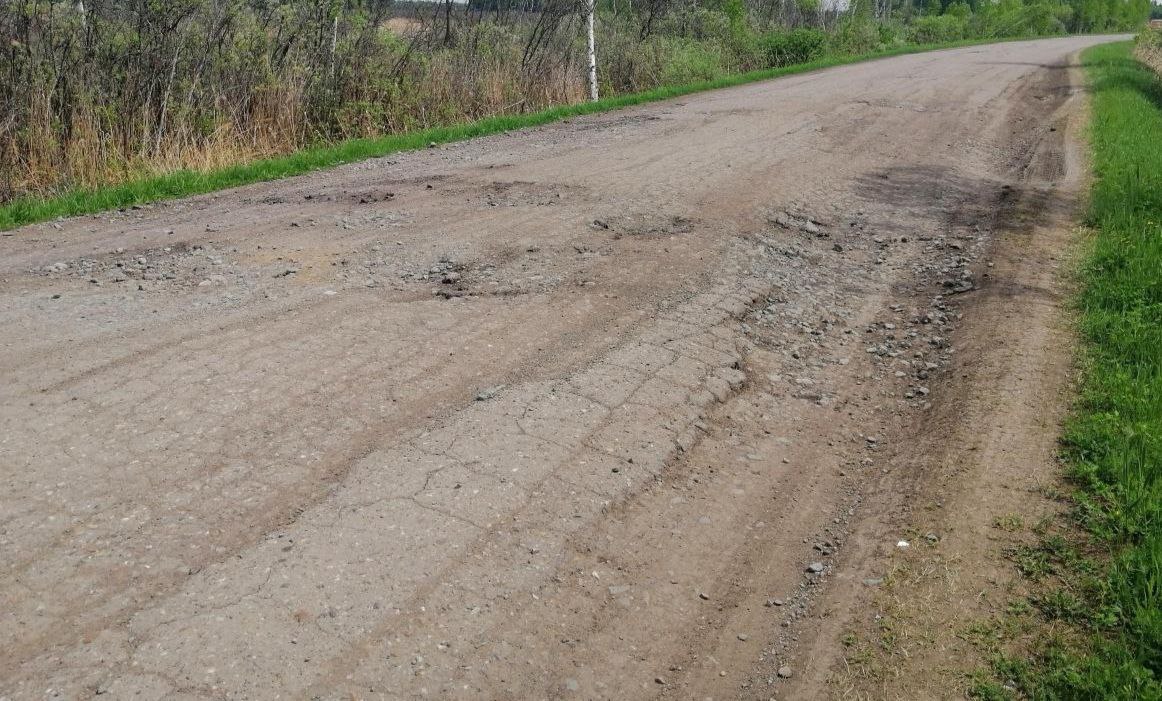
936	30
631	65
686	61
796	46
860	36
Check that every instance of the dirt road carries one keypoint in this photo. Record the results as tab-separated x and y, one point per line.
584	411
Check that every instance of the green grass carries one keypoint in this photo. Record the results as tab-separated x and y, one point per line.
1106	637
183	183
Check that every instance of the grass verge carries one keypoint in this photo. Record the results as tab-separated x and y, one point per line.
184	183
1101	632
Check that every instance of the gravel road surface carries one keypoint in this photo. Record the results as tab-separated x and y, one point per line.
581	411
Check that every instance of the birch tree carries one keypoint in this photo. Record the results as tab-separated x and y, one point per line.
590	8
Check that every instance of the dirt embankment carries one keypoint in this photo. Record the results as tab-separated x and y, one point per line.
620	407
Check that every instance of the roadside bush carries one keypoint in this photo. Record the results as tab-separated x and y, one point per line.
860	36
686	61
893	34
961	10
796	46
1045	18
631	65
942	28
695	22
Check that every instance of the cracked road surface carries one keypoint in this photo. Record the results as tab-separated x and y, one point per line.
565	412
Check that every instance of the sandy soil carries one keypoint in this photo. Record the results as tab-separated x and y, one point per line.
570	412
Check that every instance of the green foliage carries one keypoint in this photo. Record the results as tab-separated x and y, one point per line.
855	35
1107	15
808	7
631	64
961	10
690	61
796	46
938	29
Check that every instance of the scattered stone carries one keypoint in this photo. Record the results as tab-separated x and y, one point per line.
815	567
486	394
959	286
785	672
743	637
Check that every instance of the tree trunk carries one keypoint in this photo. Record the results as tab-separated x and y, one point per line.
334	44
592	6
447	22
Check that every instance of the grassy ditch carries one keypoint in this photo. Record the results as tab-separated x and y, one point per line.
1101	615
183	183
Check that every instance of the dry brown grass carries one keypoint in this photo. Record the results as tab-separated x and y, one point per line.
1149	48
84	112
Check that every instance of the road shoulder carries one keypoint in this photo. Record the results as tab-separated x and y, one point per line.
928	577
